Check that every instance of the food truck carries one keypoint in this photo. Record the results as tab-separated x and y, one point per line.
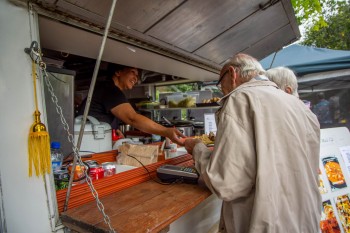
172	42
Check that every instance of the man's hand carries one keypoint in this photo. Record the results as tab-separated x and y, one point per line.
190	144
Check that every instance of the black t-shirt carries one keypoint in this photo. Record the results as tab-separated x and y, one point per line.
105	97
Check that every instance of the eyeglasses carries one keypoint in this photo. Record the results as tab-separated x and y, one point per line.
221	77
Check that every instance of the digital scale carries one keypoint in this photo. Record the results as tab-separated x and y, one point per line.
170	173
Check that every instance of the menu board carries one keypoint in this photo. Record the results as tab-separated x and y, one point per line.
334	177
329	223
209	123
334	173
343	208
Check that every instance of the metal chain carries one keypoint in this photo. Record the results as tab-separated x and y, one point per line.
88	180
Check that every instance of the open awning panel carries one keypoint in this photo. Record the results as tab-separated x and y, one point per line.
204	33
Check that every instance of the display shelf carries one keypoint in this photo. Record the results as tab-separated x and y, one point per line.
170	109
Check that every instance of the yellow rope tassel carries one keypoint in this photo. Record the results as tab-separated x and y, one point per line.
38	141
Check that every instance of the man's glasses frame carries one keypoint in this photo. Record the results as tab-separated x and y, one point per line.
221	77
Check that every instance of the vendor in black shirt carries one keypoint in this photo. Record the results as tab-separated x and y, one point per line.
109	102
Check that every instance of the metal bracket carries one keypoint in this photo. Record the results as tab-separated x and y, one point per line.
33	51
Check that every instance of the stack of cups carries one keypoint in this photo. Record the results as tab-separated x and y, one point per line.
171	149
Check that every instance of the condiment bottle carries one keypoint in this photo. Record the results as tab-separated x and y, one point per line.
115	137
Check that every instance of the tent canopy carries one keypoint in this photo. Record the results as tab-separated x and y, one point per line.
318	69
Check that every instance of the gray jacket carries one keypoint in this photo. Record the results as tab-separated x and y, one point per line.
265	161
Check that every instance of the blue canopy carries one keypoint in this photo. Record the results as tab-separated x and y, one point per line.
317	69
306	60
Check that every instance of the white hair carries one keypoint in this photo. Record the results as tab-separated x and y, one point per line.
283	77
247	66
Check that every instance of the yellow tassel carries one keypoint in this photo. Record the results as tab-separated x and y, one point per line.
38	141
39	153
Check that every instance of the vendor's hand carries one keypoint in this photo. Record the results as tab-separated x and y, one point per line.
175	136
190	144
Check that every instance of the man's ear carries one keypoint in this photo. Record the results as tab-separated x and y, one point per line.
288	90
232	73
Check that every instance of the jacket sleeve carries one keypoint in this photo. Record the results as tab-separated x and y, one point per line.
230	170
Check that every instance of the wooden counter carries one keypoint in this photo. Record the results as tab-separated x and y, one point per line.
146	207
81	194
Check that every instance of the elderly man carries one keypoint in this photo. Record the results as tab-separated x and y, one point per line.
284	78
266	155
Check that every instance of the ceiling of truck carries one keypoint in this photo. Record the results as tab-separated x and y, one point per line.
198	33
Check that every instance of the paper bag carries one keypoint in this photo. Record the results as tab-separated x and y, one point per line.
146	154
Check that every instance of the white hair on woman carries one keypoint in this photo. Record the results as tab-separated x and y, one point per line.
284	78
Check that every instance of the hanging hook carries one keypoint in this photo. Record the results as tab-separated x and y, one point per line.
33	51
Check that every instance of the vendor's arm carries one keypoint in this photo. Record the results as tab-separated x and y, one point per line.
127	114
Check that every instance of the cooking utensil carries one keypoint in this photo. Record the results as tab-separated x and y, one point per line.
167	121
125	128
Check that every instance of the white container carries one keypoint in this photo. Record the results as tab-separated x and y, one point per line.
171	149
97	135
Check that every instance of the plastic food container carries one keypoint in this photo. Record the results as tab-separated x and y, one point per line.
182	100
147	104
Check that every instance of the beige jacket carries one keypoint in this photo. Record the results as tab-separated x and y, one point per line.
265	161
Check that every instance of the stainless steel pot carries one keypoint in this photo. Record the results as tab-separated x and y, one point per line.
186	130
125	128
198	131
198	128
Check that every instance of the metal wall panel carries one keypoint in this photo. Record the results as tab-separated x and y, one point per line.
196	22
245	34
62	82
136	14
272	42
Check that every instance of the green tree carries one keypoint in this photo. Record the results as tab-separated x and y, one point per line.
308	10
335	33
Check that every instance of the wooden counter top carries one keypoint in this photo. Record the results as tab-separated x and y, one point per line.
146	207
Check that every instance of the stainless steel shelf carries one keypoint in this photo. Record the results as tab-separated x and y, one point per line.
170	109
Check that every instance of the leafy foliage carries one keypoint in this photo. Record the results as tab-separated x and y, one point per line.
308	10
314	12
335	33
179	87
